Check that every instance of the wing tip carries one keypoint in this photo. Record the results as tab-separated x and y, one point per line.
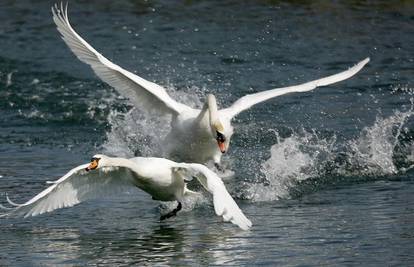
247	224
9	210
60	13
244	223
364	61
12	202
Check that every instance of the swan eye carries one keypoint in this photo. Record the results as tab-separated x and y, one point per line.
220	137
95	159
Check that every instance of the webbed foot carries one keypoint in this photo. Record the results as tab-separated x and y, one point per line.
171	213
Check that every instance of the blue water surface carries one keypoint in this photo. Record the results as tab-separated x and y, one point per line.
325	176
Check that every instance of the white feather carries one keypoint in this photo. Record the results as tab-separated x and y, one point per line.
161	178
74	187
248	101
144	93
224	204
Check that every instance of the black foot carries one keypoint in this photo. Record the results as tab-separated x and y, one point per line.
172	213
218	167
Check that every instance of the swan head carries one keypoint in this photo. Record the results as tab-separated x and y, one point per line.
220	136
98	161
216	125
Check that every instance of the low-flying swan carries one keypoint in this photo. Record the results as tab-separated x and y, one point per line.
163	179
195	135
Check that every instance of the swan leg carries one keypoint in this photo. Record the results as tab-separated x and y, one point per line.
172	213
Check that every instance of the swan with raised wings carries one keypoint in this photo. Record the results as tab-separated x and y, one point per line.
195	135
163	179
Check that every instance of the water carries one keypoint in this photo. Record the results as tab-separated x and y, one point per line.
326	176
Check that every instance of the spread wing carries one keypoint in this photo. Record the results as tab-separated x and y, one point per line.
144	94
224	204
74	187
248	101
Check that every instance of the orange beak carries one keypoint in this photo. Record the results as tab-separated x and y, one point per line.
92	166
222	146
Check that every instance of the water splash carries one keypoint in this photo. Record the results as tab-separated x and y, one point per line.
9	77
296	158
136	134
372	153
385	148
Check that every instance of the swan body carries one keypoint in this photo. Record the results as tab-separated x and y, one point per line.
161	178
191	138
195	135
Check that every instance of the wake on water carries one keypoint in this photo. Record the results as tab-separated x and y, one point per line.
385	148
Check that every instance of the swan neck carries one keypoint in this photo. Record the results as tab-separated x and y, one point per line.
120	162
202	113
212	108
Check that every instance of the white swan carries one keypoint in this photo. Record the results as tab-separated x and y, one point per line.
163	179
196	135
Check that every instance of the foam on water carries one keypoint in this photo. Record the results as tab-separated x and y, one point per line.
296	158
372	153
379	150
